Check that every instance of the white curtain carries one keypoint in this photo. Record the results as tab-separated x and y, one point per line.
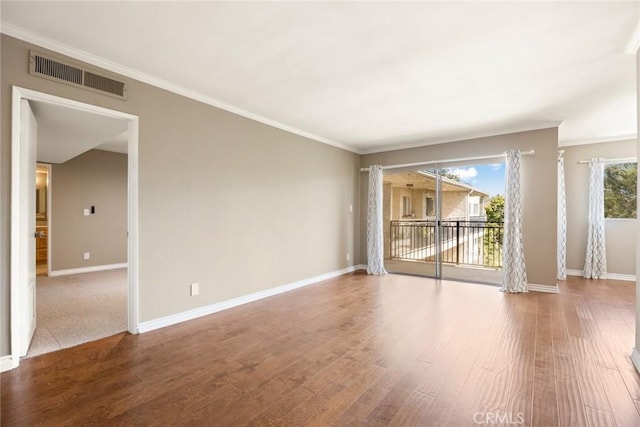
375	237
514	272
562	223
595	262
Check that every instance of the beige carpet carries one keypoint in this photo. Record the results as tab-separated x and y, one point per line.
79	308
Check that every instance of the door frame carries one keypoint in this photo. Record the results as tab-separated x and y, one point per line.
18	94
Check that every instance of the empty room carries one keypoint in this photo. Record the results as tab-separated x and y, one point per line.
327	213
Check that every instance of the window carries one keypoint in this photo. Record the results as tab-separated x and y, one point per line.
429	207
474	205
620	190
406	206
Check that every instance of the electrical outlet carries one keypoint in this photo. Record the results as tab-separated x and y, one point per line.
87	255
348	256
195	289
350	208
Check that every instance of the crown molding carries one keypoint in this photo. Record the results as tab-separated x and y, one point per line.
634	42
80	55
461	137
599	140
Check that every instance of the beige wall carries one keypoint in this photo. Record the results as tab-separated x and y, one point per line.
397	193
539	190
619	233
454	204
637	343
95	178
233	204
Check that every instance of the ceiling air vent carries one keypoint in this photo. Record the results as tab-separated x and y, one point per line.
54	69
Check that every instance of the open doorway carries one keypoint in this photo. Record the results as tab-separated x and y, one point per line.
64	134
445	223
43	213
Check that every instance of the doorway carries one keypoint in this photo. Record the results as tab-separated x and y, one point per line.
23	212
445	223
43	213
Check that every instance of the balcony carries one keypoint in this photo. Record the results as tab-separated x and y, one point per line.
463	243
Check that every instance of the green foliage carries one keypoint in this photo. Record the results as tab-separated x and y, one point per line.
620	190
494	233
495	209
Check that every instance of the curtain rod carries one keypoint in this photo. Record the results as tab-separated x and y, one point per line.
434	162
618	160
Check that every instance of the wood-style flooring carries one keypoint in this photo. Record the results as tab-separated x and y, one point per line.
358	349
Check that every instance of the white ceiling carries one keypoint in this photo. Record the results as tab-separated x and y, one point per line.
369	76
64	133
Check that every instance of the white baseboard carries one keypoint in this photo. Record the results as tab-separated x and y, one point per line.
88	269
635	359
360	267
7	363
235	302
625	277
550	289
612	276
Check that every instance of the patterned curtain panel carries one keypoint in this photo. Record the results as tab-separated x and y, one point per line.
375	238
595	262
562	223
514	272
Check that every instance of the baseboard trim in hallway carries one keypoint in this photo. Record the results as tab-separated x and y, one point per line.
91	269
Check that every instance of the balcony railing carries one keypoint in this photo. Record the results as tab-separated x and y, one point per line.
462	242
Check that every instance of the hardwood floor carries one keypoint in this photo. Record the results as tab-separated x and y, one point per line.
358	349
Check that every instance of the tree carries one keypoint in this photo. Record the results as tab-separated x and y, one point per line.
492	239
448	173
620	193
495	209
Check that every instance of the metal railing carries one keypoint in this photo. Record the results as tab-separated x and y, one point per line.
462	242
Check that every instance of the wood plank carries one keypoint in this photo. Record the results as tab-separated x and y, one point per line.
390	350
571	409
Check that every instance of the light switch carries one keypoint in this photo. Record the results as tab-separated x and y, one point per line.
87	212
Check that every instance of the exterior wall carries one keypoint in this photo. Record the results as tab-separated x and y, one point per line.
454	204
397	194
619	233
95	178
216	200
417	202
539	189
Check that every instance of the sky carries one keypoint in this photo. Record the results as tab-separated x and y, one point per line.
487	178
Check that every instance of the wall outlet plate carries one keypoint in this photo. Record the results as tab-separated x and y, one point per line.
195	289
87	255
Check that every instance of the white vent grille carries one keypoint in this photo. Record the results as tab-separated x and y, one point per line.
53	69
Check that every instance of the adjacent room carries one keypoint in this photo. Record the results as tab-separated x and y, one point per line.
81	222
320	213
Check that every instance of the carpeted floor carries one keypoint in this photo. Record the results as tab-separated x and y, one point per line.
79	308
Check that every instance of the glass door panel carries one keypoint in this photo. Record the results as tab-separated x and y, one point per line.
445	223
410	212
471	223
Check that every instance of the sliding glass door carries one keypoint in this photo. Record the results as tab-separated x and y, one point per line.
445	223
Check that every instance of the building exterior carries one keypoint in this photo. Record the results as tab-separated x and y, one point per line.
410	221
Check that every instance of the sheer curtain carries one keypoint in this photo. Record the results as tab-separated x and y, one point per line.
375	238
514	272
562	222
595	262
